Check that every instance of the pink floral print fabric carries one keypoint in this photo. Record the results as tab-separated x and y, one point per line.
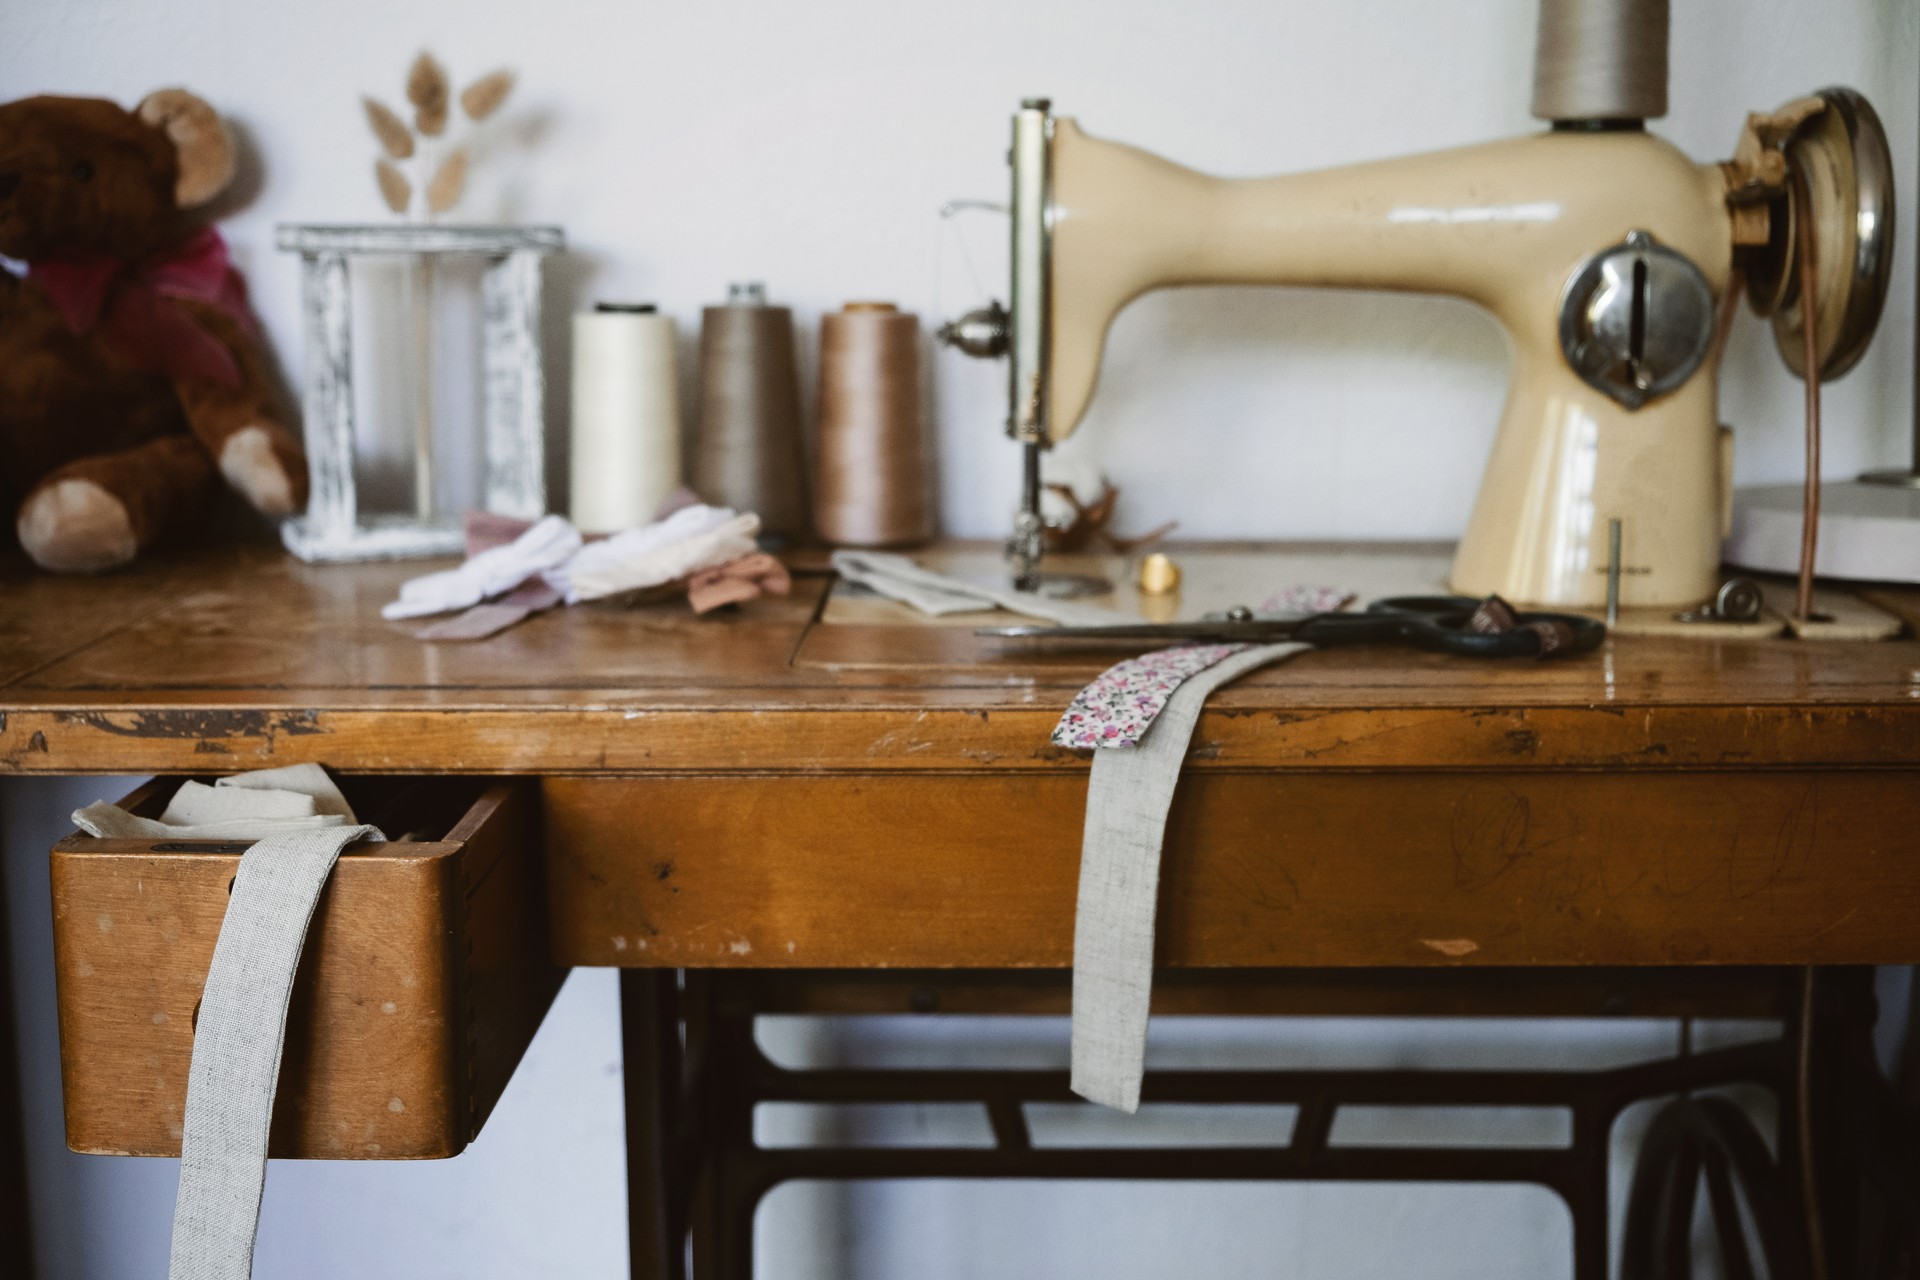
1117	709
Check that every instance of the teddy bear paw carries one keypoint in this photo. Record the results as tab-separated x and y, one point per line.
250	465
75	526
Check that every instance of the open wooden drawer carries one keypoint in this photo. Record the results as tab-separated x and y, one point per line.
425	975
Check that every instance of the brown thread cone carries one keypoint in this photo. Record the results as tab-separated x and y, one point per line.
871	483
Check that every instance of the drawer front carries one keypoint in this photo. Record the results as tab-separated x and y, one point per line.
425	974
1287	869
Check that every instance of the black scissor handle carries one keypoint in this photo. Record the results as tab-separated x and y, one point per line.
1443	625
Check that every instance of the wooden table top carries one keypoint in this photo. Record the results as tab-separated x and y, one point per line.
239	658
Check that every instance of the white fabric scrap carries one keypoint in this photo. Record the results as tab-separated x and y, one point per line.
552	550
549	543
902	578
1113	926
689	540
247	806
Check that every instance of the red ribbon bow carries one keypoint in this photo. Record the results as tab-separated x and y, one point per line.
135	306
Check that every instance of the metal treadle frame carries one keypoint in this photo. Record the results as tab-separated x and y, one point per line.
696	1073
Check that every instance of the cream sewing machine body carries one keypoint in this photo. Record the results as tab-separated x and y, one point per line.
1602	249
1508	225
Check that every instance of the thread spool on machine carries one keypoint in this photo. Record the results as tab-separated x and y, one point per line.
1608	255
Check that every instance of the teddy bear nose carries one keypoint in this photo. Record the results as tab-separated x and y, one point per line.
8	181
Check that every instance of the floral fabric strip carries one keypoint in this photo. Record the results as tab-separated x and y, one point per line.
1117	709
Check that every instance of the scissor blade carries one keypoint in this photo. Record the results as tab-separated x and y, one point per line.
1256	629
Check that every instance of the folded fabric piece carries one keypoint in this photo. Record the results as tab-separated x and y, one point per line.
247	806
523	569
1128	798
901	578
547	544
689	540
738	581
495	616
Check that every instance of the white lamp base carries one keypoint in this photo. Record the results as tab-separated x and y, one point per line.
1868	532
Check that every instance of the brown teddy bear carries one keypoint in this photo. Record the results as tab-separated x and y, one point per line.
131	372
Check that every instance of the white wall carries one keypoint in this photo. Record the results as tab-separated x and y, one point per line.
682	146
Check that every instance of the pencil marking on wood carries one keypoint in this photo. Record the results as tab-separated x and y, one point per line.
1492	832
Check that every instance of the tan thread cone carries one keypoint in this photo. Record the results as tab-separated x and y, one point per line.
747	452
871	483
1601	60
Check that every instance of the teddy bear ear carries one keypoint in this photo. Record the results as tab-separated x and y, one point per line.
200	140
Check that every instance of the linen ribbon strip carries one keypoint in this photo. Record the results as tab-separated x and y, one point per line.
304	824
1128	798
236	1050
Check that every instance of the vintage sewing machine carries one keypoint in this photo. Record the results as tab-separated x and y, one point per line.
1607	255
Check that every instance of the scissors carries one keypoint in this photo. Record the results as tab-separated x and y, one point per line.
1459	625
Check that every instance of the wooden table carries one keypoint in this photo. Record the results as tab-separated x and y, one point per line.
801	786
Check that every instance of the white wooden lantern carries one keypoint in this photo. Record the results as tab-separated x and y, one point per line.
513	424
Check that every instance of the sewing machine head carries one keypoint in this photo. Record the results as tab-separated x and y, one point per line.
1604	252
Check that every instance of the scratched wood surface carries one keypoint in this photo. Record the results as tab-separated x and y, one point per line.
242	658
770	787
1291	868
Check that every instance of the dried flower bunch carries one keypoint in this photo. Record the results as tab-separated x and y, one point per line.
422	146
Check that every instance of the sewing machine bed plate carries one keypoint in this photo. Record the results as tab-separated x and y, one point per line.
1213	577
1218	577
788	786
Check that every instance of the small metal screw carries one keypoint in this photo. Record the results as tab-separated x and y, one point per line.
1738	600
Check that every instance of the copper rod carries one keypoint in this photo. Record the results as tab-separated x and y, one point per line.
1810	332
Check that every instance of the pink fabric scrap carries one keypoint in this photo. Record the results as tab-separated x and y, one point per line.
738	581
1117	709
494	616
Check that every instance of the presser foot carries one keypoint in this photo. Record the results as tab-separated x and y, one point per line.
1024	549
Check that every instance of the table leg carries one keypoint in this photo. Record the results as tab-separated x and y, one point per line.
16	1241
1587	1197
651	1051
723	1057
